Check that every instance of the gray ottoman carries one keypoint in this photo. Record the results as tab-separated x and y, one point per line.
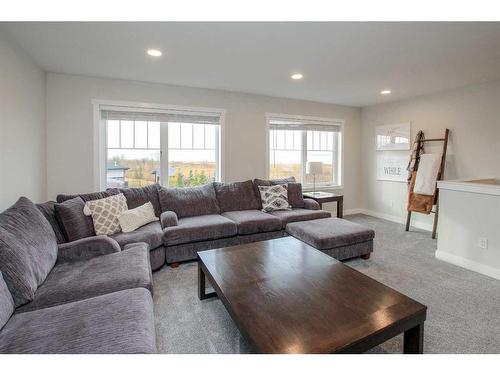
339	238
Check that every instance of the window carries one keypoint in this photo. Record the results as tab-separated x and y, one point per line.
172	148
294	142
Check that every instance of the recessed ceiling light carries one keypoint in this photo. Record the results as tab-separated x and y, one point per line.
154	52
385	92
297	76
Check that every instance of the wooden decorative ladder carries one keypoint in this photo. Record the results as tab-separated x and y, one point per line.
439	177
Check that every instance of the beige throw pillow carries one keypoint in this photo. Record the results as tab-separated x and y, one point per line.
137	217
105	213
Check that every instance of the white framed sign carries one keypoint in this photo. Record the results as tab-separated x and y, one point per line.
391	166
393	137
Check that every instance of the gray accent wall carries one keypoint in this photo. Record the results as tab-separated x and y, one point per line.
22	126
471	113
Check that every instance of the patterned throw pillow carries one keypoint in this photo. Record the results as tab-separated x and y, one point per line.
105	213
274	198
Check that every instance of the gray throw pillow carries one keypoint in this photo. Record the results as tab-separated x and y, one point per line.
74	224
295	197
28	249
6	303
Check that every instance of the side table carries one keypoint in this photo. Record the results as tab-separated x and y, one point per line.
325	197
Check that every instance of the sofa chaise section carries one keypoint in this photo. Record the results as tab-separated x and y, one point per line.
76	280
120	322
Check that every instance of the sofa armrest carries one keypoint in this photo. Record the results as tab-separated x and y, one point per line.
168	219
136	245
86	248
311	204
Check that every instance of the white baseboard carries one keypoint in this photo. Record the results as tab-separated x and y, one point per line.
393	218
353	211
468	264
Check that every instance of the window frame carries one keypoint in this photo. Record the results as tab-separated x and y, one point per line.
320	121
100	141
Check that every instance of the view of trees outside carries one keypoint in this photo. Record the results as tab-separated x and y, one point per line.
134	153
191	174
192	154
285	154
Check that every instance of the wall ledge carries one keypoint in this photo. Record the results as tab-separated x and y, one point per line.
468	264
470	187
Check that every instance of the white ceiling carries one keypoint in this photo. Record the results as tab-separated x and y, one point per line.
344	63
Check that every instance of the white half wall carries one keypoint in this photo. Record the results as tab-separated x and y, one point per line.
22	126
70	128
473	116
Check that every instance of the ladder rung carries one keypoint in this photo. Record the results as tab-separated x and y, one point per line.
431	140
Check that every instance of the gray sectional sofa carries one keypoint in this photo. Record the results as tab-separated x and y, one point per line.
65	290
86	296
191	219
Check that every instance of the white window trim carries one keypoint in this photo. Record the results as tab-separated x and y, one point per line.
321	121
100	132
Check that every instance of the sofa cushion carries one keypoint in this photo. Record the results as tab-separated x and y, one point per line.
28	249
49	212
105	213
138	196
74	224
6	302
88	196
253	221
74	281
199	228
299	214
330	233
120	322
190	201
236	196
295	197
150	233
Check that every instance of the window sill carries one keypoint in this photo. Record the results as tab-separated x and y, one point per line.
322	188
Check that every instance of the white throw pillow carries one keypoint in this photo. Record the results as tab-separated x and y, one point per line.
137	217
105	213
274	198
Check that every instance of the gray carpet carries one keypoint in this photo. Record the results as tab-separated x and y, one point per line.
463	306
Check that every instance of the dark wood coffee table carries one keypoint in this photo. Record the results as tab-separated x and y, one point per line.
287	297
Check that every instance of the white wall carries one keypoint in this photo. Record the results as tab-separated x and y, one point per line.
22	126
473	116
70	128
467	213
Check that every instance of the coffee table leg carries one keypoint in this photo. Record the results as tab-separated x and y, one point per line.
202	294
414	340
340	208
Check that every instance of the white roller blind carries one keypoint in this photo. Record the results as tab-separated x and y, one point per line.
276	123
139	114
